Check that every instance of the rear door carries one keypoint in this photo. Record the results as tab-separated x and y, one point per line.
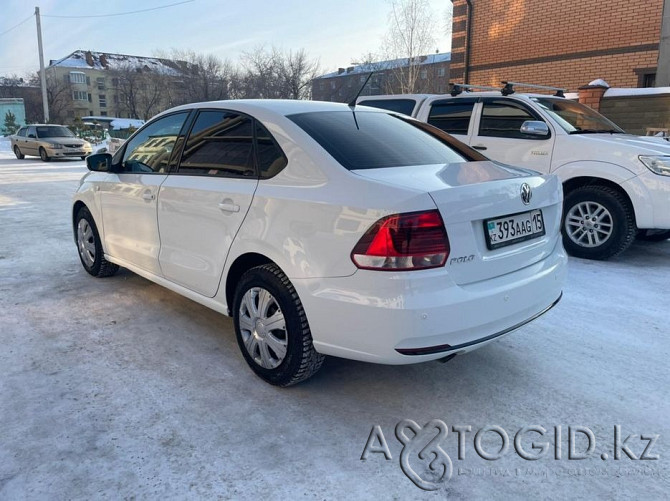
497	135
202	205
453	116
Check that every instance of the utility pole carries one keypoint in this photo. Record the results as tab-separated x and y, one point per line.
43	76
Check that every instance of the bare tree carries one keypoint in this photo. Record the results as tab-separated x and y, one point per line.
141	93
204	77
409	37
276	74
59	96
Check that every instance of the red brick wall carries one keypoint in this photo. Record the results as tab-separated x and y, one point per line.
557	42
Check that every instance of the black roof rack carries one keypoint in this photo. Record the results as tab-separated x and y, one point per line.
509	88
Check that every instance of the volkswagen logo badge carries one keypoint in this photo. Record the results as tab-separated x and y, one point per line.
526	193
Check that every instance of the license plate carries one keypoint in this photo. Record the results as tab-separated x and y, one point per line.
514	228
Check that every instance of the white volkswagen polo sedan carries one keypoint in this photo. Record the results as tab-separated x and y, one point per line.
325	230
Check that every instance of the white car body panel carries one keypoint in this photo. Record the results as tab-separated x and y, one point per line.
308	218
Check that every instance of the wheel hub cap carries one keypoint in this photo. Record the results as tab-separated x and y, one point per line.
263	328
86	242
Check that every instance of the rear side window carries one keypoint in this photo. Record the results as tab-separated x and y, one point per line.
221	143
504	119
271	159
452	116
370	140
404	106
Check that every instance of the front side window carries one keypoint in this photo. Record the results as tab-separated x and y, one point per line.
452	116
150	149
372	140
221	143
22	132
503	118
575	118
45	132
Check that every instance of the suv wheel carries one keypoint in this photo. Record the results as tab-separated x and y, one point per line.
43	155
598	222
272	329
89	246
18	153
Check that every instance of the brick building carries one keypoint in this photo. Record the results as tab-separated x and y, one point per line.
562	43
343	85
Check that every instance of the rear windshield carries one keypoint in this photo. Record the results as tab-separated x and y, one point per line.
405	106
369	140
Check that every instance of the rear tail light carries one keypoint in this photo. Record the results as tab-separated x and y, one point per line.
412	241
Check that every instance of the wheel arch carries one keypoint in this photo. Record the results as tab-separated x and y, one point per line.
76	207
239	267
581	181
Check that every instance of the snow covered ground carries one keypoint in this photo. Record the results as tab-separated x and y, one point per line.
120	388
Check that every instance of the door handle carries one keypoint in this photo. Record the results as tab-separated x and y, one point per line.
479	147
229	207
147	195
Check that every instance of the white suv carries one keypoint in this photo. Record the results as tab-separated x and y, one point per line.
325	231
616	185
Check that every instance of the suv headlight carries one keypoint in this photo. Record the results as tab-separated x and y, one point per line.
658	164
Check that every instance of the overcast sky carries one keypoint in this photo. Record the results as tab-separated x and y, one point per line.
336	32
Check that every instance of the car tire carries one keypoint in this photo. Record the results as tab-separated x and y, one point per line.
653	235
18	153
283	356
598	222
89	247
43	155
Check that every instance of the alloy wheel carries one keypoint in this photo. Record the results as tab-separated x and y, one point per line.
589	224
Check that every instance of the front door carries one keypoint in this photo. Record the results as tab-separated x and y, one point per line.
129	195
203	204
497	135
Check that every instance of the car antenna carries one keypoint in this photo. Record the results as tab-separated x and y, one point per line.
352	104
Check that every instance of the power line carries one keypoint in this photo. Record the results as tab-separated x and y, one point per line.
122	13
17	25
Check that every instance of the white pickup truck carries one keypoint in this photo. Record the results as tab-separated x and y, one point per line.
616	185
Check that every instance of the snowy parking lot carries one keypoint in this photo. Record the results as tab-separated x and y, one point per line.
120	388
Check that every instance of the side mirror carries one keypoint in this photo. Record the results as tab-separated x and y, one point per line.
100	162
534	128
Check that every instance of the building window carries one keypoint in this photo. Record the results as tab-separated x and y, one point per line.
103	113
102	101
79	95
332	85
101	83
77	77
423	74
90	98
649	80
362	78
440	72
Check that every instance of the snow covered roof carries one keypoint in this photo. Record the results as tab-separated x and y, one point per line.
86	59
388	65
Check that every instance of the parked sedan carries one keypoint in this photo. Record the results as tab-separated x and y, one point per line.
47	142
325	230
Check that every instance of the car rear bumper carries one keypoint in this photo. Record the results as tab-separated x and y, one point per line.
396	318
